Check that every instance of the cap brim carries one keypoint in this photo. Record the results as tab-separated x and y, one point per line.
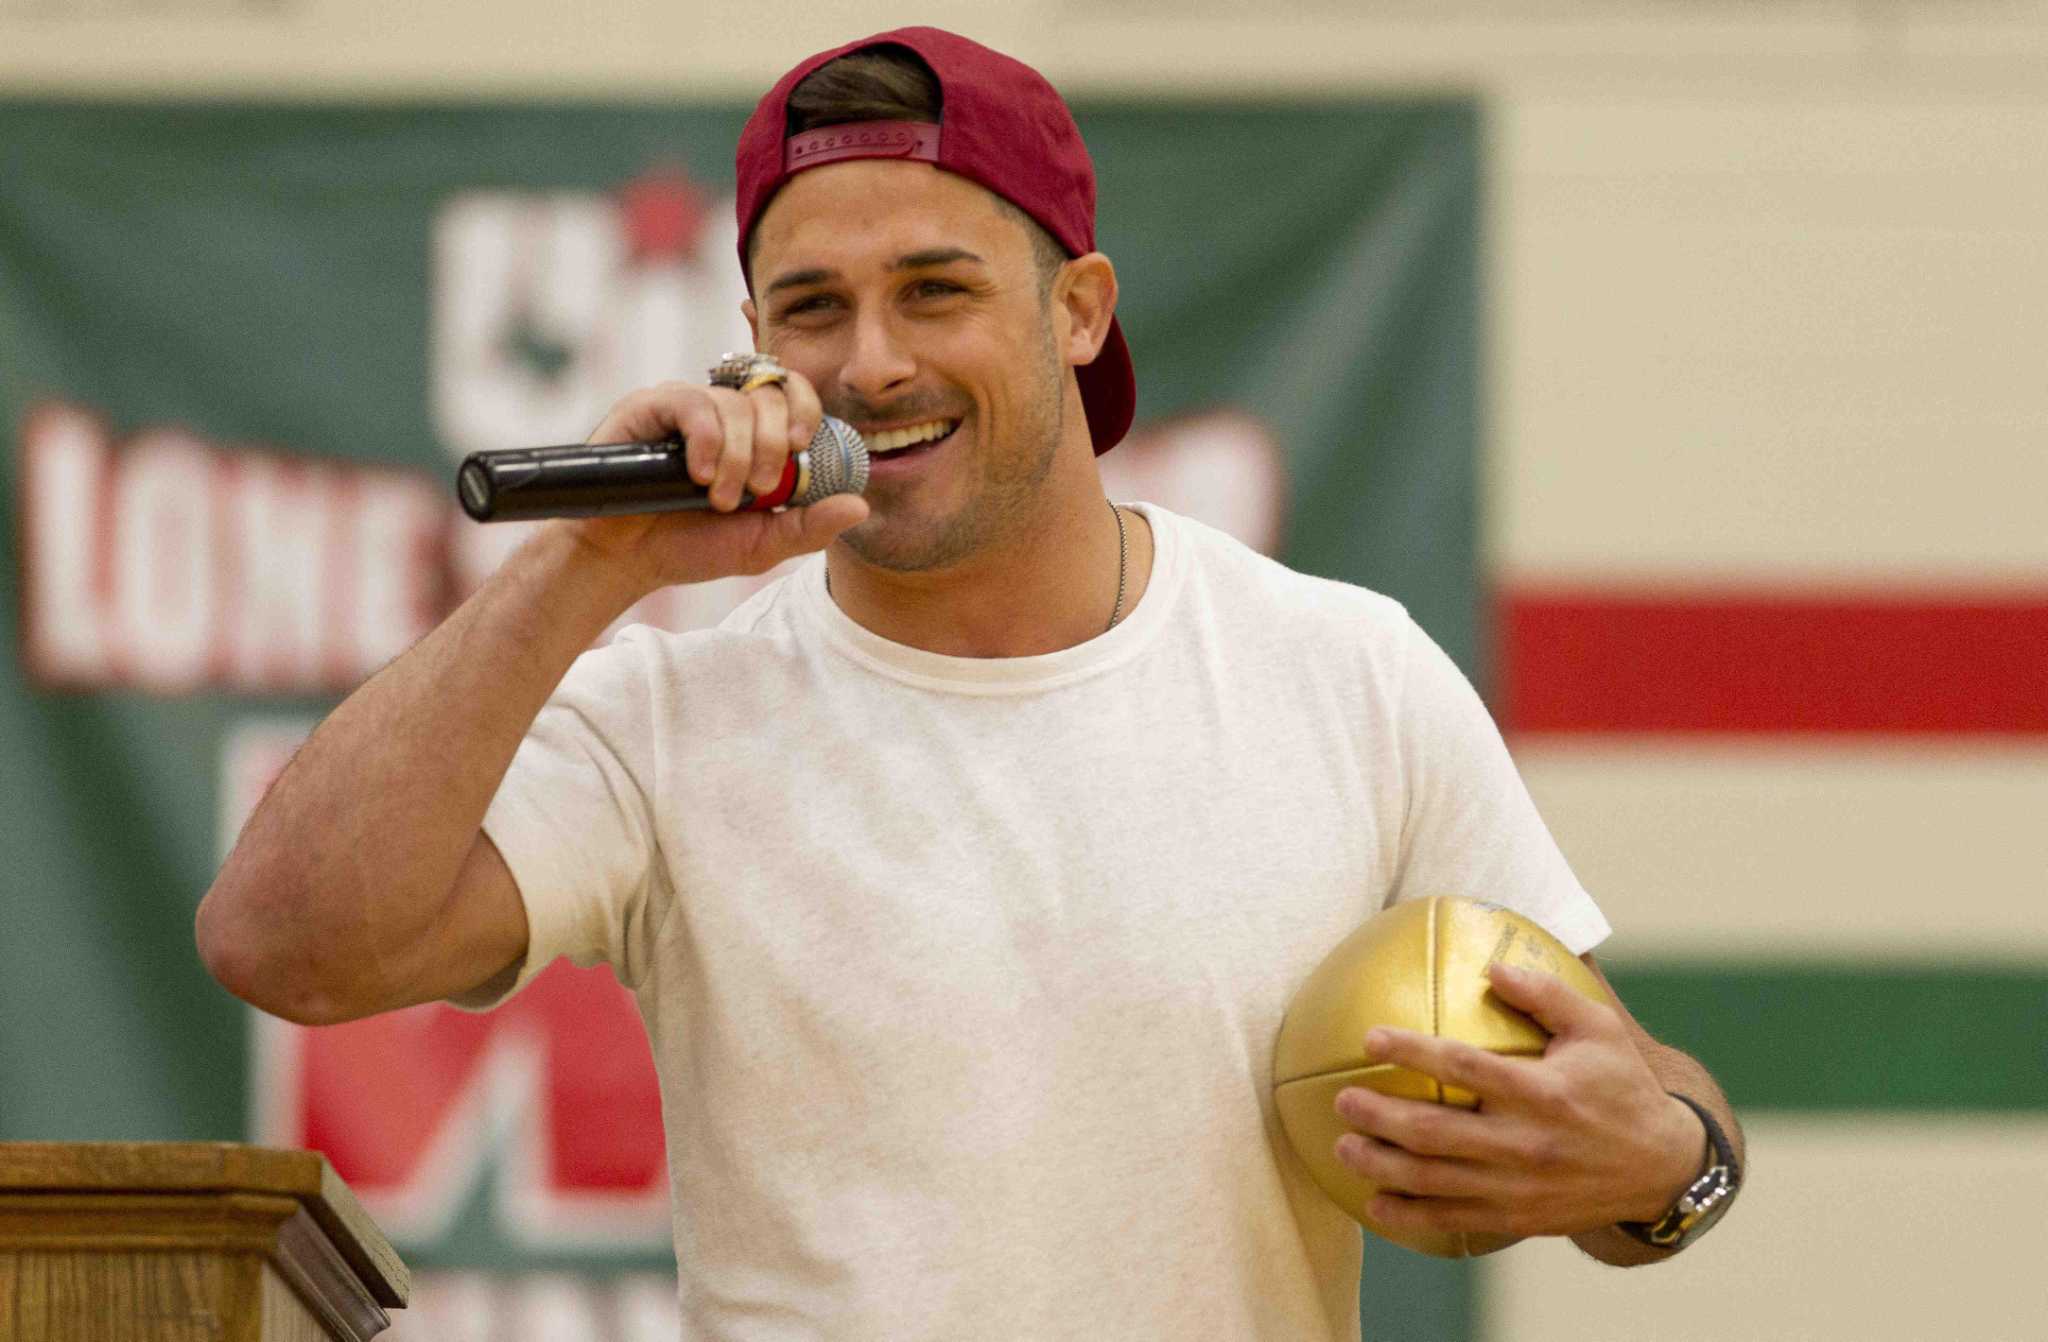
1109	390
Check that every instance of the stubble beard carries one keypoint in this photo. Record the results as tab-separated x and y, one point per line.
1004	500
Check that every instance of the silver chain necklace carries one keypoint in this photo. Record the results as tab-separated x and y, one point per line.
1123	559
1116	612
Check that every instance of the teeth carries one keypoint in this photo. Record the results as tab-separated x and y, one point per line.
891	439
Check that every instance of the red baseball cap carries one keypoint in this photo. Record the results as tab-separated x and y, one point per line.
1002	126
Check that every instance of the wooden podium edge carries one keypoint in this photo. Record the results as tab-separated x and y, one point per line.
274	1232
219	1167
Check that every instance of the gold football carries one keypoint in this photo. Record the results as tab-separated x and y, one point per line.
1420	965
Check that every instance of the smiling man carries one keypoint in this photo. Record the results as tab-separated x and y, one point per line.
963	875
952	328
915	304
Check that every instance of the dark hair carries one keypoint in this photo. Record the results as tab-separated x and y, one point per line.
892	83
885	83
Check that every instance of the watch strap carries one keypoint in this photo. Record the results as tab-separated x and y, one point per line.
1704	1199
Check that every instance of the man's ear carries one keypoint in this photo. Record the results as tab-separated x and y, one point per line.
1086	291
753	316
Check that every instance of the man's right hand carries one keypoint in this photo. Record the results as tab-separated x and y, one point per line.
735	441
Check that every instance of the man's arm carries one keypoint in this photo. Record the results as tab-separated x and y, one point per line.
1572	1143
363	881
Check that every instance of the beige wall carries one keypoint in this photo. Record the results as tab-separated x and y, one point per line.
638	48
1773	332
1895	1229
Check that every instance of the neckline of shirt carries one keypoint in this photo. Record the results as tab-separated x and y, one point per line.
1007	675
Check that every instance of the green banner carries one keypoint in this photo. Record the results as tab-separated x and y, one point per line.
241	349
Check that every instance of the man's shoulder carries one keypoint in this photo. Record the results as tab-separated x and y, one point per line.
758	629
1241	579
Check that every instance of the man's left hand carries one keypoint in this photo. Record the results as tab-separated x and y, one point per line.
1580	1138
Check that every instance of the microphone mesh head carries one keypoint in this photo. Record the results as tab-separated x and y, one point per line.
839	462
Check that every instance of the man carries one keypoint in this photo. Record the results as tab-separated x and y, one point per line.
962	877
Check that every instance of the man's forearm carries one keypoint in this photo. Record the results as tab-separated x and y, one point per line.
1681	1074
351	853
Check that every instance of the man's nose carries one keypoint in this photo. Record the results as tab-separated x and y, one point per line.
879	362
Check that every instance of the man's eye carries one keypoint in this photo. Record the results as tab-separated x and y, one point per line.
936	288
813	303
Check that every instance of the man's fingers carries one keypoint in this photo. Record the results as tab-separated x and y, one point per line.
805	413
733	441
771	439
1427	1129
1544	996
829	516
1405	1172
650	415
1398	1211
735	449
796	531
1485	1074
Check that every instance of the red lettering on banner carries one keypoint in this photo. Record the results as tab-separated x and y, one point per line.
380	1095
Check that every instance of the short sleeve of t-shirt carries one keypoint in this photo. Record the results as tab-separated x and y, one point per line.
1471	828
573	819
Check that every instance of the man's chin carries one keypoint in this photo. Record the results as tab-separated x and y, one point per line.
902	543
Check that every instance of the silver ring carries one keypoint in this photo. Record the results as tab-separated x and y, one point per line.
744	372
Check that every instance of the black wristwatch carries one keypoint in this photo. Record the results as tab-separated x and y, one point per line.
1703	1202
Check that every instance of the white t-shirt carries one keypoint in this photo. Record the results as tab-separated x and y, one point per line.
962	976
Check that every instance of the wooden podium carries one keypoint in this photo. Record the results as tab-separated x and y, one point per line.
186	1242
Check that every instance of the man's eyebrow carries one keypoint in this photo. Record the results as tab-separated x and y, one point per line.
934	256
920	260
797	278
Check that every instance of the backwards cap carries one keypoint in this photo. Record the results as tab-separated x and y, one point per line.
1001	126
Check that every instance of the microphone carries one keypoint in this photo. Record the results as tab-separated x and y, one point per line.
606	479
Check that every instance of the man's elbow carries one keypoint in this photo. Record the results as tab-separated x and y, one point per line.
280	982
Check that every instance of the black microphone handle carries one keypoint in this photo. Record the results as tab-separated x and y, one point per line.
610	479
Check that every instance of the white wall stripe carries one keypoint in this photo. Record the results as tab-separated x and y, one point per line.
1860	1231
1787	848
1791	335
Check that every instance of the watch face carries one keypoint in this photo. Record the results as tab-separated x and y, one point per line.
1702	1205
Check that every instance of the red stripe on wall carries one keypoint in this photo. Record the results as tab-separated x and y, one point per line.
1591	660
